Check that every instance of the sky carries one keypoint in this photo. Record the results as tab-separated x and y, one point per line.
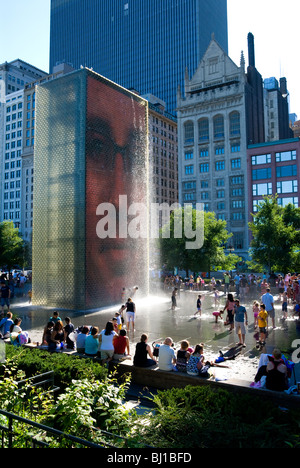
274	24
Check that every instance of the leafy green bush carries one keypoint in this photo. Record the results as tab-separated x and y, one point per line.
66	368
205	418
86	404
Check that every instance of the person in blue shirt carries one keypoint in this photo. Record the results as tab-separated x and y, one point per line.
268	300
92	343
240	319
5	325
55	318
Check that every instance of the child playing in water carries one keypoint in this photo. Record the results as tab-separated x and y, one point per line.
218	315
199	306
115	325
216	296
285	305
256	310
262	323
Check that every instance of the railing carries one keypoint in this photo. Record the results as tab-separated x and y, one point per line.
9	435
45	381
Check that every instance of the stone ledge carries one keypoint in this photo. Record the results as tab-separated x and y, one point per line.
163	380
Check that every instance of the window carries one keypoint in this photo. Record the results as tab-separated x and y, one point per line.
221	206
221	194
204	167
213	65
220	182
189	133
238	180
189	196
203	152
236	163
189	155
189	185
219	127
258	174
261	159
219	150
235	148
238	216
204	184
290	200
286	156
203	126
204	195
262	189
220	166
286	171
256	204
234	124
289	186
189	170
238	204
238	240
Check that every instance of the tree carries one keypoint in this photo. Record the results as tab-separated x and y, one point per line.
12	247
212	253
276	236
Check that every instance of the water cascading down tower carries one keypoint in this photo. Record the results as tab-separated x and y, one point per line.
91	182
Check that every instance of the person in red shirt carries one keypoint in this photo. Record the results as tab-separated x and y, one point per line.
121	345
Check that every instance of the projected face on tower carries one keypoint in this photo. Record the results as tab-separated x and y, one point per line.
115	170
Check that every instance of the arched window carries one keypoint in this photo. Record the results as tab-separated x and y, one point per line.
235	124
203	125
219	131
188	133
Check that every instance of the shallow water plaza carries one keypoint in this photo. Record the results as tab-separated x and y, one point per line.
155	317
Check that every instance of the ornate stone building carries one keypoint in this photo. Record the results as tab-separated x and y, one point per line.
212	136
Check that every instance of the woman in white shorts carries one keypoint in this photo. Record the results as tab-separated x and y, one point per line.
130	313
106	343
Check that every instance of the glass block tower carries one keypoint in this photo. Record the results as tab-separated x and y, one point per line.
145	45
91	165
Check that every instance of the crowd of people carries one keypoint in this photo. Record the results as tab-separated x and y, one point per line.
275	370
110	343
245	286
244	289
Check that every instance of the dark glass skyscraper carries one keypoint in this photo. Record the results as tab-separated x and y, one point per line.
140	44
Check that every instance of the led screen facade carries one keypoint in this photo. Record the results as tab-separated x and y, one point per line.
91	167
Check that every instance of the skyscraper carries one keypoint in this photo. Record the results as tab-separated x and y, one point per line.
145	45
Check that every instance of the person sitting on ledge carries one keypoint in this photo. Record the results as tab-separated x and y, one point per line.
81	337
121	345
92	343
57	336
141	354
5	325
196	361
276	373
183	356
46	339
167	356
